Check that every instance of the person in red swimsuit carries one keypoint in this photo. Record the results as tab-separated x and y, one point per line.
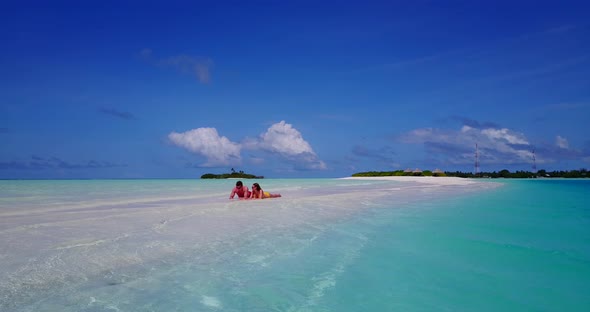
241	190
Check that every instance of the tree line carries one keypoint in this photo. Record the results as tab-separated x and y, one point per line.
398	173
520	174
581	173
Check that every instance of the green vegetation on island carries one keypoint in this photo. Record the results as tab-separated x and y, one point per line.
582	173
233	175
400	173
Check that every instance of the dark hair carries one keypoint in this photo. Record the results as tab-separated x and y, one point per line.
239	183
257	186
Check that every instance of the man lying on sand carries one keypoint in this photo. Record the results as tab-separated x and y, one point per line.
240	190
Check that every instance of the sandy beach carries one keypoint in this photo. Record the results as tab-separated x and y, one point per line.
159	245
426	180
95	244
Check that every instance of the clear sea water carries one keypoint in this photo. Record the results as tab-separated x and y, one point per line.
326	245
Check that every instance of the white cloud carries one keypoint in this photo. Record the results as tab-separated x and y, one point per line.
496	145
219	151
286	141
466	128
561	142
279	139
505	135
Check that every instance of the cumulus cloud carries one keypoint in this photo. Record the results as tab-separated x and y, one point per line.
218	150
505	135
496	145
284	140
280	139
561	142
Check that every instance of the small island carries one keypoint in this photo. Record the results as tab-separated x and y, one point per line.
582	173
233	175
401	173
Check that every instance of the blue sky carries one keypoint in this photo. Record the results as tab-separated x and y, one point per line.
291	89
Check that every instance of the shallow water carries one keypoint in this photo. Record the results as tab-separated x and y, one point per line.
326	245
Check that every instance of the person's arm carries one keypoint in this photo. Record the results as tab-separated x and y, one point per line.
233	193
246	193
260	194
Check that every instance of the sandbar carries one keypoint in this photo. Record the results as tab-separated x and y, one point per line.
420	179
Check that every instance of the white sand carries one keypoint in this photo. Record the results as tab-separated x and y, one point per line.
426	180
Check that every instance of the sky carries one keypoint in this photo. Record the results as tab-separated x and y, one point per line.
291	89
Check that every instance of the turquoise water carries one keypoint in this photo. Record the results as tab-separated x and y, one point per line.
326	245
523	247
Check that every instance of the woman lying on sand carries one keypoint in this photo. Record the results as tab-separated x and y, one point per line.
257	192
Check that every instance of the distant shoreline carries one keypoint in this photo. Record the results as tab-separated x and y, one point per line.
420	179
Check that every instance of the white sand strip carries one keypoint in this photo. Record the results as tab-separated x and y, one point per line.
426	180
